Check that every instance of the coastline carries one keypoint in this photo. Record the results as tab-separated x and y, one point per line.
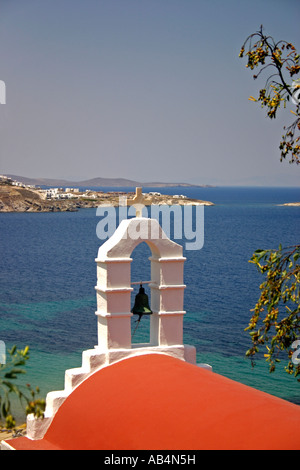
20	199
291	204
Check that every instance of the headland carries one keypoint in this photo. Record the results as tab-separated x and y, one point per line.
19	197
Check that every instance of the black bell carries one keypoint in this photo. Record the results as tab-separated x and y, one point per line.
141	304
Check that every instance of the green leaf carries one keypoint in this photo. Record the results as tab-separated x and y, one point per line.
13	350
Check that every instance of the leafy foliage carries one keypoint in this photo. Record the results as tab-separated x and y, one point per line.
275	320
281	58
9	373
279	303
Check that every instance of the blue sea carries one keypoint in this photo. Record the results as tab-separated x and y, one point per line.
48	274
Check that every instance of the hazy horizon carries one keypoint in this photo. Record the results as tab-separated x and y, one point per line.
142	90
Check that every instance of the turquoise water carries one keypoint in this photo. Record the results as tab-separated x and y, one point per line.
48	274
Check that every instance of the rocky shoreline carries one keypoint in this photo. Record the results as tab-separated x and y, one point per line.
292	204
18	199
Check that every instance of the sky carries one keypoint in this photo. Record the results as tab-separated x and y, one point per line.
149	90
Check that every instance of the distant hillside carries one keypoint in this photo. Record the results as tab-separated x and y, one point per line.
40	181
117	182
104	182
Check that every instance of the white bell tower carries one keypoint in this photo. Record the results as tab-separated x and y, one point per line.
114	286
167	289
113	291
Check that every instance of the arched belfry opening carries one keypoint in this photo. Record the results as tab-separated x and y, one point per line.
141	306
114	286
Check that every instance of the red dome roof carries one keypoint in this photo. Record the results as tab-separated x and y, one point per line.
155	402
